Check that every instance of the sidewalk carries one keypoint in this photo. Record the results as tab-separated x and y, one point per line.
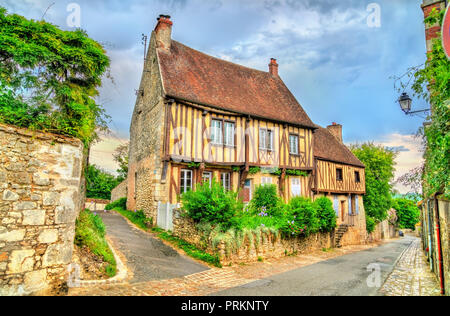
411	276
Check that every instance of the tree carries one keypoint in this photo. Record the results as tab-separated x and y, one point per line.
432	84
121	157
407	212
379	163
49	78
99	183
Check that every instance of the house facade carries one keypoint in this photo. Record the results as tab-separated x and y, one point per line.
199	118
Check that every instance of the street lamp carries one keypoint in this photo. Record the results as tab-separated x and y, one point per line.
405	104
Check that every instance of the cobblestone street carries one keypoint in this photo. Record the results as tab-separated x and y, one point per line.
215	280
411	276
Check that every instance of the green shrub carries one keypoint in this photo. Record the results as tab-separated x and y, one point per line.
326	214
211	204
301	219
266	201
99	183
407	212
370	224
120	203
90	232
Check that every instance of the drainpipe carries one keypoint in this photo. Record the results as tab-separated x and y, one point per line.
430	228
438	233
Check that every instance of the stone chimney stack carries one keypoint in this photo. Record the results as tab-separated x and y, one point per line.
336	130
163	31
431	31
273	67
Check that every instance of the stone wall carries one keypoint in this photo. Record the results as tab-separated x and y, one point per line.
96	204
119	191
145	184
40	183
265	246
383	231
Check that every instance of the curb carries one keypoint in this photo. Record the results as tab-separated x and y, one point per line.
121	275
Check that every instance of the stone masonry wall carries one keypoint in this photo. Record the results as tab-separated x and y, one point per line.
119	191
145	186
40	183
266	246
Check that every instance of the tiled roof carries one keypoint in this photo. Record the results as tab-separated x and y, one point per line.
327	147
193	76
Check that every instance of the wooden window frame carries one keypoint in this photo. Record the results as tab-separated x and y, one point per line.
223	121
298	144
341	173
183	185
220	133
229	180
357	177
271	139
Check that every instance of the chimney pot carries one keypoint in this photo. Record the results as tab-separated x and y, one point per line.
163	32
336	130
273	67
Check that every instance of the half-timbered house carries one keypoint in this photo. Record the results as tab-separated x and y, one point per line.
199	118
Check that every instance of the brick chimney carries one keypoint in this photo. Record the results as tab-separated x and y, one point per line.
432	31
336	130
273	67
163	32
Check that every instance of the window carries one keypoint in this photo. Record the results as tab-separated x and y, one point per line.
265	139
186	181
266	180
296	188
357	177
216	132
293	144
226	181
339	176
229	134
207	177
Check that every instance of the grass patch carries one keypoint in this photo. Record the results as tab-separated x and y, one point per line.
136	217
90	232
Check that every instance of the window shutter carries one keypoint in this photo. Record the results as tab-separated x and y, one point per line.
357	204
350	205
336	205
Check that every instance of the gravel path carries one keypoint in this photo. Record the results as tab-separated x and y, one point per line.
148	258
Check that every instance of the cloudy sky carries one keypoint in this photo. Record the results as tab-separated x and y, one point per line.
336	63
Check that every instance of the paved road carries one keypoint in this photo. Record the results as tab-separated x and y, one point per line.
147	257
343	276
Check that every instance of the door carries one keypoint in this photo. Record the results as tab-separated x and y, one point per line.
296	189
343	211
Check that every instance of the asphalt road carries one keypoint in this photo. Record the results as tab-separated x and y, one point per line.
147	257
343	276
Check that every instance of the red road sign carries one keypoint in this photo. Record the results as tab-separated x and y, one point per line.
446	33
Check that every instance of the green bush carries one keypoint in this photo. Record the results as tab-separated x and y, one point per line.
266	200
90	232
211	204
326	214
407	212
302	218
370	224
99	183
120	203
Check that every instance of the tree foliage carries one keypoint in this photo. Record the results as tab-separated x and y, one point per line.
407	212
99	183
49	78
432	83
121	157
379	163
